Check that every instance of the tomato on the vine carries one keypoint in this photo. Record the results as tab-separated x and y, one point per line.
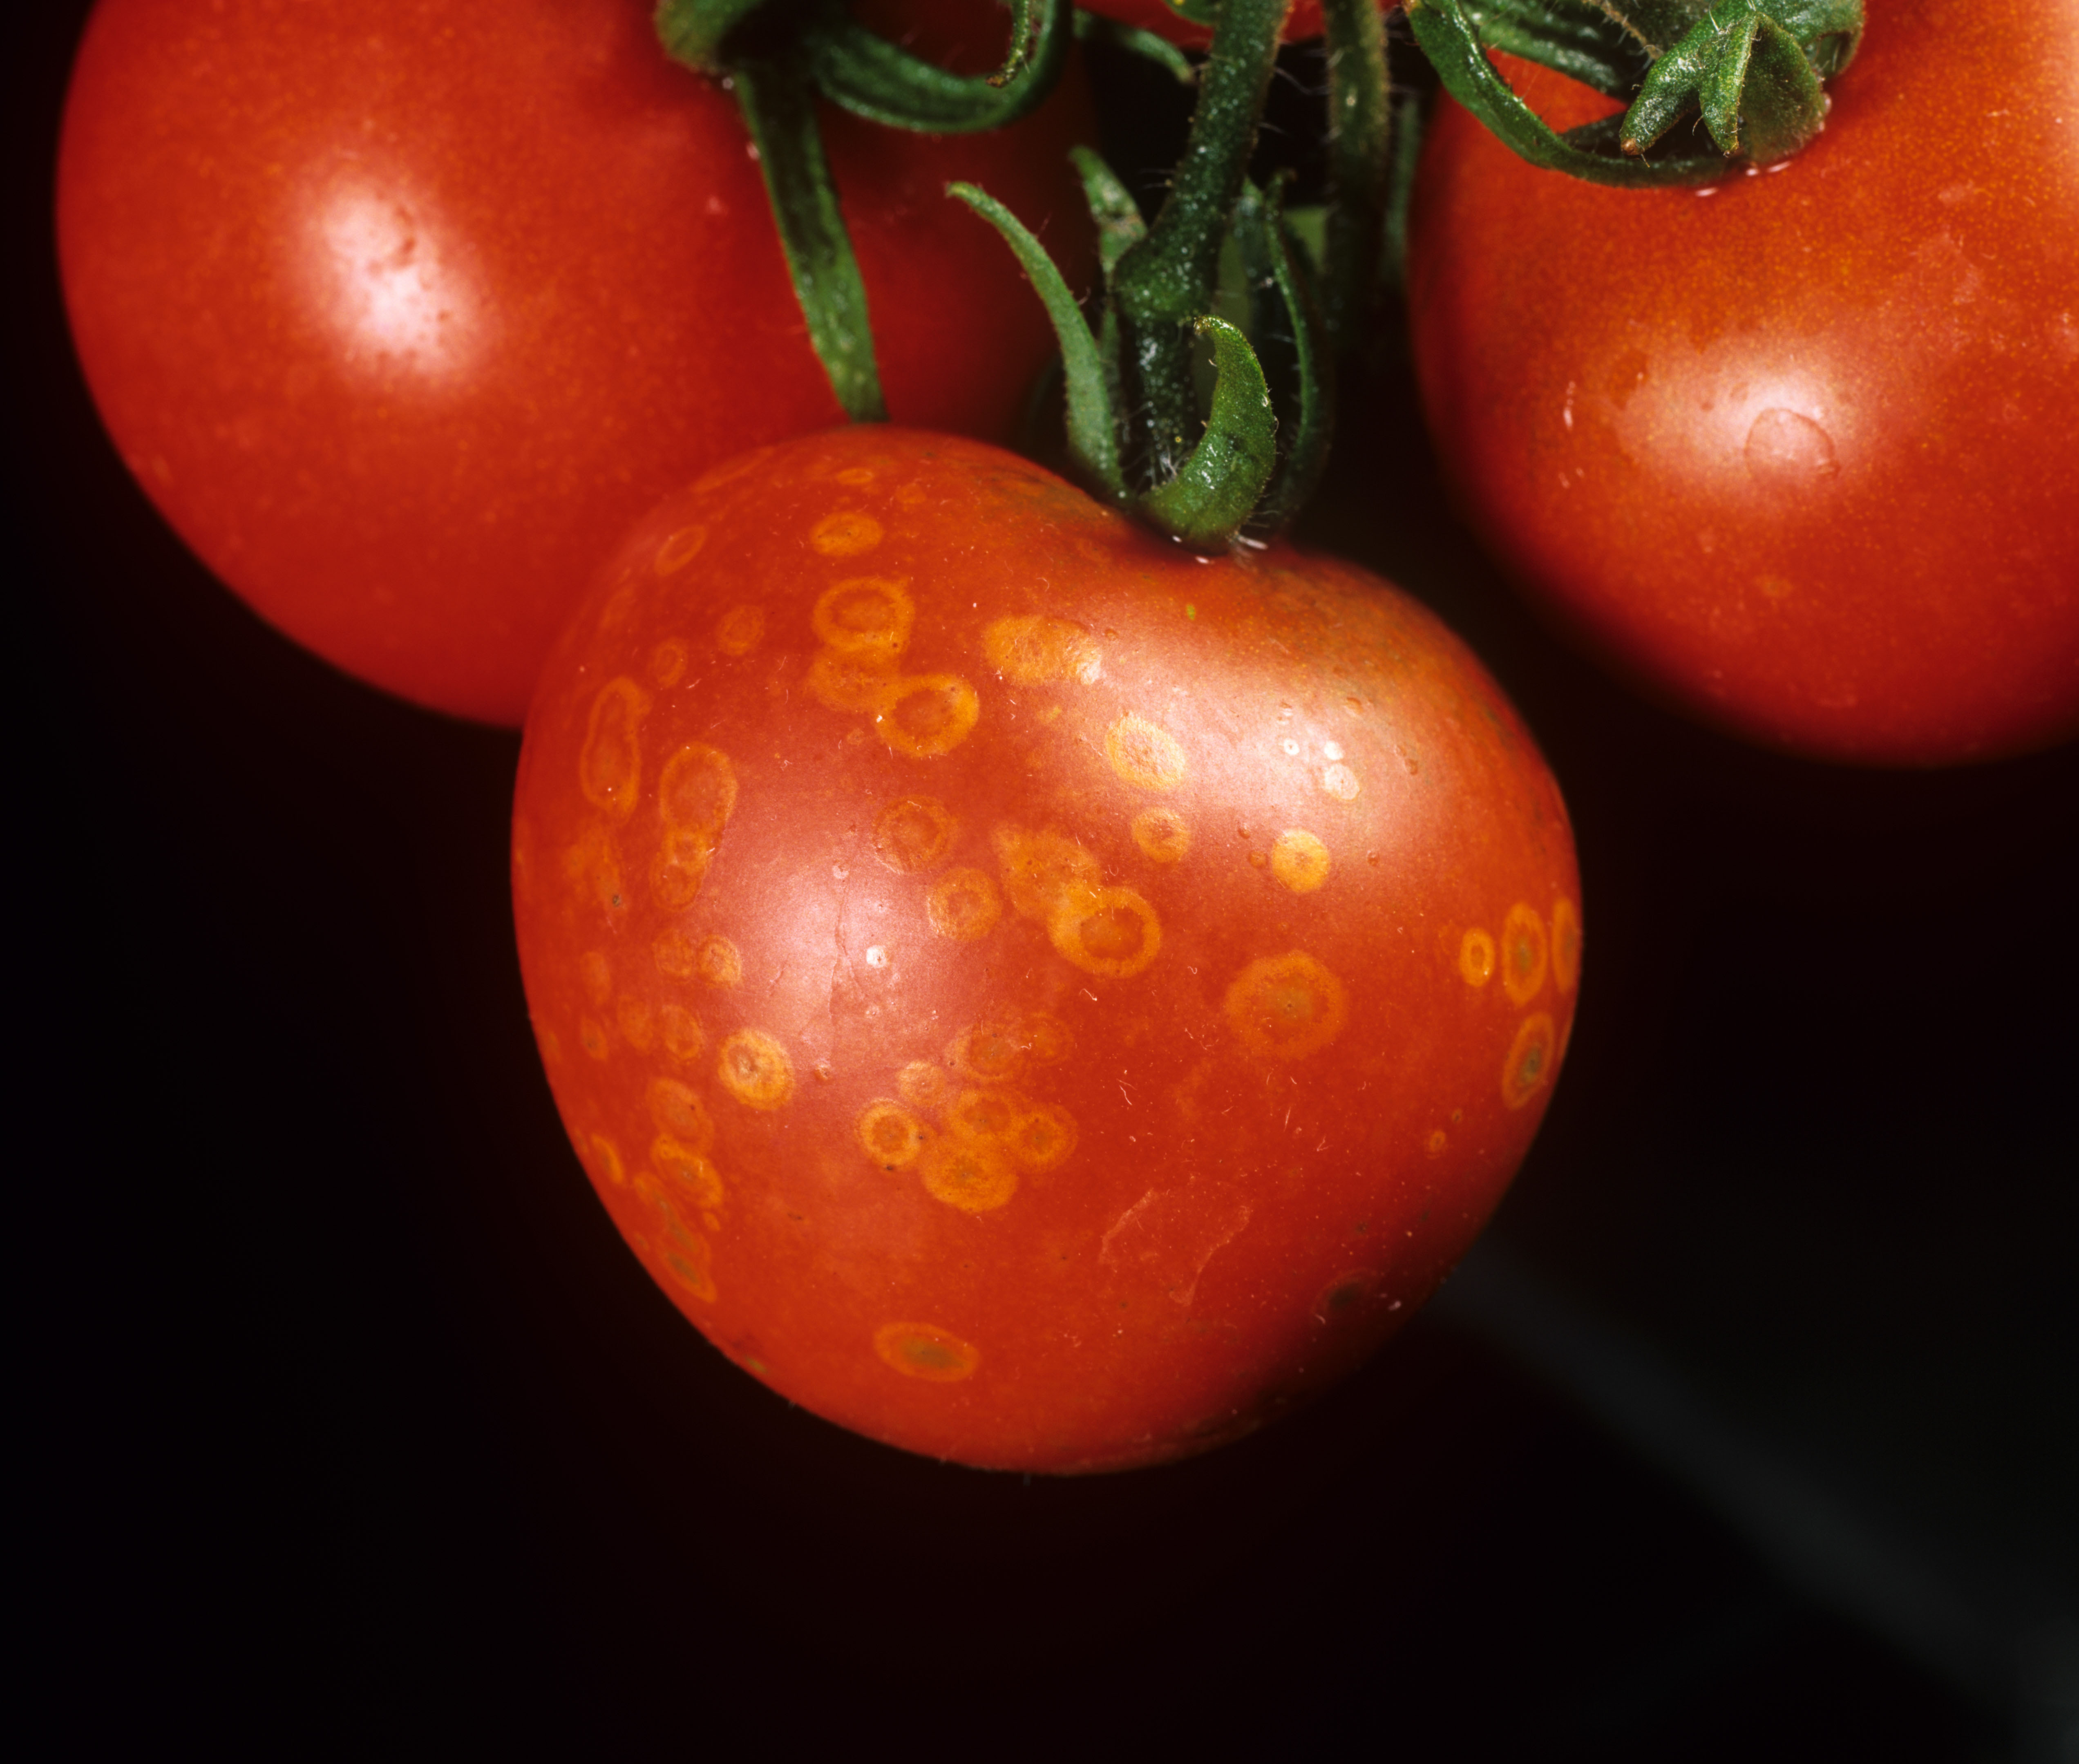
1796	453
401	312
1029	993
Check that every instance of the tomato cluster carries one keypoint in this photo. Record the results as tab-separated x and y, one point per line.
1029	992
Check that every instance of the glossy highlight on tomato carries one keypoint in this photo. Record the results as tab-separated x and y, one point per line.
1028	993
401	312
1796	452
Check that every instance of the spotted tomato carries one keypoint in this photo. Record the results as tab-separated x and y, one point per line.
1028	993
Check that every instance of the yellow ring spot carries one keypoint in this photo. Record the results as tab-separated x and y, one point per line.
1476	958
692	1264
607	1155
756	1070
869	616
1565	944
691	1170
667	661
680	549
683	1036
913	834
921	1085
1032	651
1435	1143
993	1052
970	1174
740	630
1110	931
680	1114
891	1136
597	974
920	1351
1299	860
1147	757
1163	834
987	1115
850	682
681	866
925	715
1287	1006
845	534
853	475
1529	1063
1047	1039
673	954
610	763
719	961
964	906
697	791
632	1015
1523	952
593	1038
1042	1137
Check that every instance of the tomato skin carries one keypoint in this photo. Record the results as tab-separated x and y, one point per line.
1797	457
864	1036
401	312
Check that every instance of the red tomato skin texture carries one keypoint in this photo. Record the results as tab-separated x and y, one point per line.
402	311
1030	995
1799	457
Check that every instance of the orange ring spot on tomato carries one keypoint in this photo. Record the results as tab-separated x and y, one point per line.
690	1170
673	954
1523	954
986	1115
719	961
922	1351
1529	1067
1144	754
921	1085
913	834
1042	1138
1110	931
925	715
1163	835
1476	958
608	1155
740	630
891	1136
1287	1006
850	682
1299	860
1032	651
754	1069
680	549
964	906
610	763
697	792
667	661
684	1038
679	1113
868	617
845	534
970	1174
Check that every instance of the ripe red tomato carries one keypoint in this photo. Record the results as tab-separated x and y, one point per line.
401	312
1796	453
1028	993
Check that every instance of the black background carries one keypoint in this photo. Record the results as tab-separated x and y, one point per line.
351	1426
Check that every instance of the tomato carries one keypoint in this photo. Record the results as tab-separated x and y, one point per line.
401	312
1796	453
1028	993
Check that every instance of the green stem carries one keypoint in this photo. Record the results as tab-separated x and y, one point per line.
1164	283
780	105
1360	126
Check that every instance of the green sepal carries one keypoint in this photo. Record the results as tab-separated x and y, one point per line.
1091	27
1205	503
1092	431
1292	348
692	30
1580	40
1112	207
1738	65
780	105
862	72
1446	36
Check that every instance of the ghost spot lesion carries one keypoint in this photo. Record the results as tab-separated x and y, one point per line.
1299	860
1524	953
678	1113
891	1136
854	683
913	834
921	1084
1476	958
1041	1137
1038	652
719	962
605	1160
690	1172
695	797
754	1068
1144	754
1113	932
868	618
1529	1067
848	533
1163	835
923	1351
923	715
1565	944
680	549
973	1175
610	763
964	906
667	661
683	1036
740	630
1286	1007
